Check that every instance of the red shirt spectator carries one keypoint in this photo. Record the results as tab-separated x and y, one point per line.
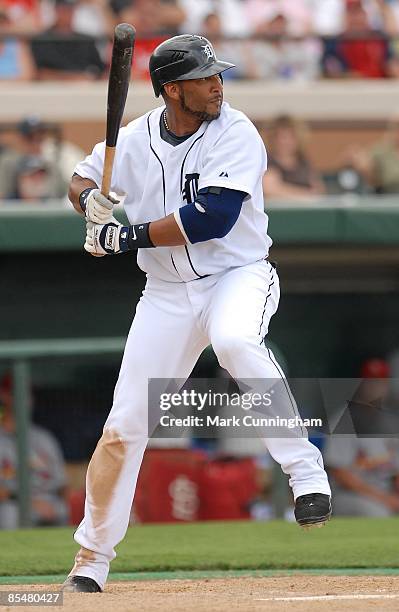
367	58
359	51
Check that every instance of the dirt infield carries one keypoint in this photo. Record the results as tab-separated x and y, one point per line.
298	593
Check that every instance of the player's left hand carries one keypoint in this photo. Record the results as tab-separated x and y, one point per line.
97	207
108	239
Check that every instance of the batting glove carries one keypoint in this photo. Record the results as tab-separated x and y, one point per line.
106	239
114	238
97	208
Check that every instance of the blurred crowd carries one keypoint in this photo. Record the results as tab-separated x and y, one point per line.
36	163
292	176
267	39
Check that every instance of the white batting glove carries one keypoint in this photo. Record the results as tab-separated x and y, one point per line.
106	239
89	242
97	208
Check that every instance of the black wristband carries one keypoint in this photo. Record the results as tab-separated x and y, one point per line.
83	198
139	237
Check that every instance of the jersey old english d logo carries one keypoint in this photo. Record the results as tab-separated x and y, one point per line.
190	187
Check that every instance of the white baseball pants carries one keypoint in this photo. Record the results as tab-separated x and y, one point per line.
174	322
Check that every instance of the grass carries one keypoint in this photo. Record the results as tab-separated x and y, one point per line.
343	543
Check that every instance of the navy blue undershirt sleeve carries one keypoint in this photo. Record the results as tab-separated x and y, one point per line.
212	215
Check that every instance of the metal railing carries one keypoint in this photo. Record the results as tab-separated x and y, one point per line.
21	353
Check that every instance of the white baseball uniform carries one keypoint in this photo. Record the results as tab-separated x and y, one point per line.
221	292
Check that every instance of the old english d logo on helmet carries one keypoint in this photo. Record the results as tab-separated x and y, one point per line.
184	57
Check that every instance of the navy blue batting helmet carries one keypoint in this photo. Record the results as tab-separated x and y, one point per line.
182	58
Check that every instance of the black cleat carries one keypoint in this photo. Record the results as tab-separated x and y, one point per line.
80	584
312	510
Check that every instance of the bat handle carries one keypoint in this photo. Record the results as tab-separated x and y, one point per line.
107	173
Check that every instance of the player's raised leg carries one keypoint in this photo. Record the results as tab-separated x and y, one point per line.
237	319
163	342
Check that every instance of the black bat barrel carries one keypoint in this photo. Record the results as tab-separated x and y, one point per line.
119	79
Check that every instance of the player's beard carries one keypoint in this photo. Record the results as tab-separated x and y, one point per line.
201	115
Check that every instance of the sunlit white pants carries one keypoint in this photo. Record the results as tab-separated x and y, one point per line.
174	322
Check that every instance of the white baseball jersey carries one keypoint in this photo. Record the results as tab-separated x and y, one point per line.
159	178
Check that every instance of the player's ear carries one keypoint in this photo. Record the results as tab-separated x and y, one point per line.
172	90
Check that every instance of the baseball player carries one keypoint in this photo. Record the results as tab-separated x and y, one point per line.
191	172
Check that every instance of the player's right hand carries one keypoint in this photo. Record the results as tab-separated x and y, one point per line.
98	208
106	239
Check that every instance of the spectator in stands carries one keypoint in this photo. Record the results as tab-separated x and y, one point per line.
34	150
290	174
154	20
60	53
32	180
360	51
232	14
364	471
238	52
16	62
172	16
47	475
328	16
281	58
150	17
297	15
383	15
379	165
93	18
393	17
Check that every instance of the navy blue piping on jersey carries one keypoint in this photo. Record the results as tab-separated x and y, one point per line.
181	189
163	183
191	264
163	170
174	265
184	161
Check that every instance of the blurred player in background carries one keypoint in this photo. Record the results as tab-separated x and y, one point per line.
365	469
47	473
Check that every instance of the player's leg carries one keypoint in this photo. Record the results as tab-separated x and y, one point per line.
163	342
237	318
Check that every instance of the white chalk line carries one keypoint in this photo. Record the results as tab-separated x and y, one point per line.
327	597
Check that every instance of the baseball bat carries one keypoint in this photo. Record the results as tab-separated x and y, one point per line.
118	86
